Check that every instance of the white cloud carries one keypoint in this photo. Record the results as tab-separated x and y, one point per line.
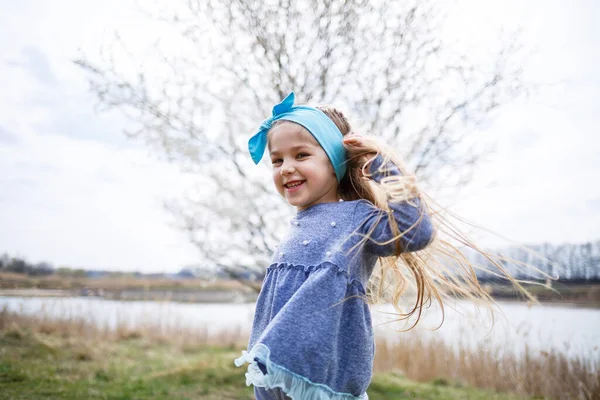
538	186
88	204
547	160
74	191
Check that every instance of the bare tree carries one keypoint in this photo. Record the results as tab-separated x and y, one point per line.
386	61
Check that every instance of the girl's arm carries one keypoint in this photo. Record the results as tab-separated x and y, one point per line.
411	218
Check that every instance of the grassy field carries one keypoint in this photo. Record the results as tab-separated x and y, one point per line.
42	357
36	365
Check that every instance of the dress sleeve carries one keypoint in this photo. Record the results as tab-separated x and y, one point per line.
410	216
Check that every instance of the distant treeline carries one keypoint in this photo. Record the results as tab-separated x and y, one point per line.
567	262
19	265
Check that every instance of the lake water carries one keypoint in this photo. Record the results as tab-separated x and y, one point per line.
575	331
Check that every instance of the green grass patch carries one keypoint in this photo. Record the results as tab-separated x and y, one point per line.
36	366
392	386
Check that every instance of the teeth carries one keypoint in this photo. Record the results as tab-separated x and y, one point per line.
293	185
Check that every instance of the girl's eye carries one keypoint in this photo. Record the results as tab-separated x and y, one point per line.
276	161
302	155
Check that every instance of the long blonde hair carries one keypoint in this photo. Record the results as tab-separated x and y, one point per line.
439	272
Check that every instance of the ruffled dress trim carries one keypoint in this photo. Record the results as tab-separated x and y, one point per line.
295	386
311	268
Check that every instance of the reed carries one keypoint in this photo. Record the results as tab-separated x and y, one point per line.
540	374
123	329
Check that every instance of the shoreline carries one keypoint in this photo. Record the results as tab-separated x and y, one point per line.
177	296
230	297
549	303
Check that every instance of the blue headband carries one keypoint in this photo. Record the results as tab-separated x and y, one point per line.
315	121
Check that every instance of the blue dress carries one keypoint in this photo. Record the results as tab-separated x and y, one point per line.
312	336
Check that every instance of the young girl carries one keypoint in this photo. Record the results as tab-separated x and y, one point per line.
312	335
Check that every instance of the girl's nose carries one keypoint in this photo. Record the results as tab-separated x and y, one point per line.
287	169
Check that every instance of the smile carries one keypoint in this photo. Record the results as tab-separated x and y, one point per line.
294	186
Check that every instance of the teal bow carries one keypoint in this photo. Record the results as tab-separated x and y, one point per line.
315	121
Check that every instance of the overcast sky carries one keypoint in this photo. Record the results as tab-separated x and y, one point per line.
74	191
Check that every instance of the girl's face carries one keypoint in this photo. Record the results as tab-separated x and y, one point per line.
302	172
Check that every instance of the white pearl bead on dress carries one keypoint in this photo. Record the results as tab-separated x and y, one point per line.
333	223
305	242
328	253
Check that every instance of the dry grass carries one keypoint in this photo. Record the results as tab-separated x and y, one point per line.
539	374
152	331
19	281
583	294
542	374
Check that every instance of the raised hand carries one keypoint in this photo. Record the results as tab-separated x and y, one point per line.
361	149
